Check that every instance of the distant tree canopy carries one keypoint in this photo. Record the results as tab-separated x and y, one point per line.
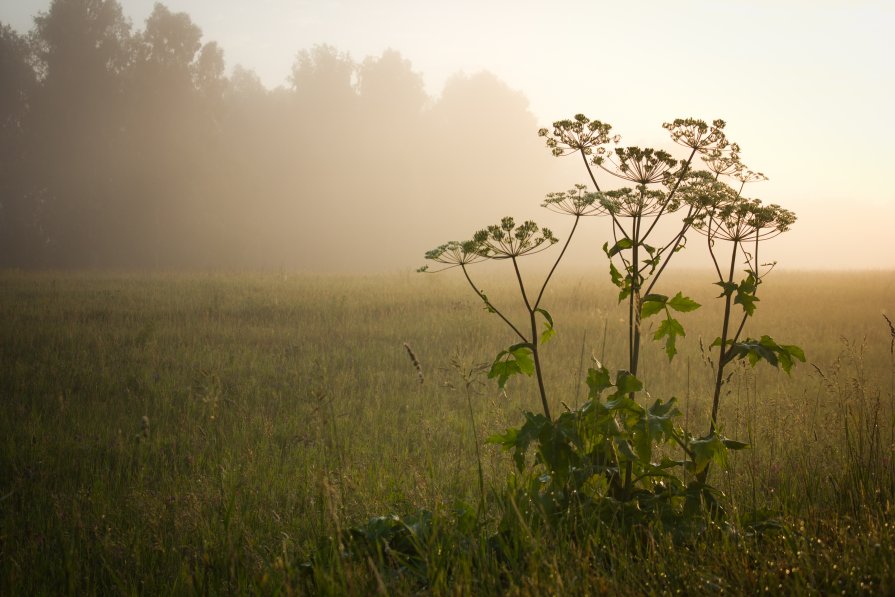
129	148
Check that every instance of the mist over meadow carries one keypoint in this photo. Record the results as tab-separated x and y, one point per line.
131	145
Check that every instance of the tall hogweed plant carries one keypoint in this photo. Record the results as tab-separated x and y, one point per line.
612	459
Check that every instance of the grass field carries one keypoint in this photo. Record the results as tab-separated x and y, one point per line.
211	433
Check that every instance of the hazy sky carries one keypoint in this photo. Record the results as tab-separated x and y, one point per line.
807	87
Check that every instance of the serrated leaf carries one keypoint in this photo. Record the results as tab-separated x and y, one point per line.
683	304
623	403
513	361
706	450
503	370
747	301
627	383
597	381
616	276
525	358
727	288
652	304
670	329
795	351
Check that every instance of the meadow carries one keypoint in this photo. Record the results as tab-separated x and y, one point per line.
220	433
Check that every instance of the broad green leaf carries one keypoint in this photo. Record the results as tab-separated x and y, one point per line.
525	358
683	304
795	351
597	381
706	450
670	329
660	419
643	443
627	383
620	246
506	439
747	301
652	304
624	403
515	360
727	288
503	370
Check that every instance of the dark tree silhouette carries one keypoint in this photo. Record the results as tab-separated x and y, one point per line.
20	234
133	148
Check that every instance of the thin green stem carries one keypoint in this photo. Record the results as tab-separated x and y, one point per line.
478	455
534	341
634	302
754	294
491	306
723	356
674	244
556	263
597	187
677	184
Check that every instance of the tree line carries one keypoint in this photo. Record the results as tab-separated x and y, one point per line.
124	147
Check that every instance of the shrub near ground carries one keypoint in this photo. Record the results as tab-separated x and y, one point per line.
281	410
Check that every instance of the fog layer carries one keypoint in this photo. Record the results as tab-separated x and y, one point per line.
125	147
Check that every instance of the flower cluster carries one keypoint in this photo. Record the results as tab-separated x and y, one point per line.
697	134
575	202
637	203
723	163
744	220
579	134
508	241
453	254
704	192
500	241
639	165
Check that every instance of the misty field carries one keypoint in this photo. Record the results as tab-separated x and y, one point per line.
222	433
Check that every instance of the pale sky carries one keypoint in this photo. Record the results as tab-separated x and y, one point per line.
807	87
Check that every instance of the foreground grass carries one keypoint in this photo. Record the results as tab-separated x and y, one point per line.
281	410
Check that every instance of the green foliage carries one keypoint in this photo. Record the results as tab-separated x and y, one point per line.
670	328
515	360
611	460
764	349
548	332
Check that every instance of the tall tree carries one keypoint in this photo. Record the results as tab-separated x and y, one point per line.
82	53
19	208
168	136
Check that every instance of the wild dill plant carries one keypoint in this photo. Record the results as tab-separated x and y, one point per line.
508	241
